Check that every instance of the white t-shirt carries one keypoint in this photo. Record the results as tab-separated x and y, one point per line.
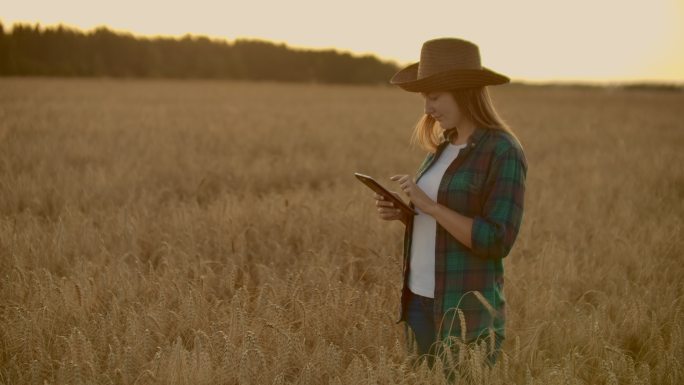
422	273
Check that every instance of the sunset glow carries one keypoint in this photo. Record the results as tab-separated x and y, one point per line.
529	40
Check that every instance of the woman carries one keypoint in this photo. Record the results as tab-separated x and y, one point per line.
469	195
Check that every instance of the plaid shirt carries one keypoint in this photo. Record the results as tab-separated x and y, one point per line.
485	182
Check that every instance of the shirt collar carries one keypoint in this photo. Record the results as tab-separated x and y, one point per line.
474	138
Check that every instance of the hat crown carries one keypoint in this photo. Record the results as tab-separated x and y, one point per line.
445	54
447	63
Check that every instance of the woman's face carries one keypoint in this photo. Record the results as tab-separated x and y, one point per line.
442	106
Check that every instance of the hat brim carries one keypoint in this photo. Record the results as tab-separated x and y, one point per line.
407	78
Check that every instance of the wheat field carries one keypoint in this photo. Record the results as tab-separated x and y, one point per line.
212	232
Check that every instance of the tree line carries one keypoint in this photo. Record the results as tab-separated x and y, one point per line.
61	51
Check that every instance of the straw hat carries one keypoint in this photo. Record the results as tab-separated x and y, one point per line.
445	64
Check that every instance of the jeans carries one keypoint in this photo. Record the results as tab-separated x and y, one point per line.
420	317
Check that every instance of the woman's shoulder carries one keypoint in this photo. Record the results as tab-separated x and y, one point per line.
503	143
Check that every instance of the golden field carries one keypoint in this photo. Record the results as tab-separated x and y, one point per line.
210	232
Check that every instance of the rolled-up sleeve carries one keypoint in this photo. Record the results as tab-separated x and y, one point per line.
495	231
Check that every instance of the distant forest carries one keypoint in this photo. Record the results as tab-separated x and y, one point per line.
60	51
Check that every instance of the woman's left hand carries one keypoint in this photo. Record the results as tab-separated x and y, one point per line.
415	193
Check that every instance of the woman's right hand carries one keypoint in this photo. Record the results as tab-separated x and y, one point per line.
386	209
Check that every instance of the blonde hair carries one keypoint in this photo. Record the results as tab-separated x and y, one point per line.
476	106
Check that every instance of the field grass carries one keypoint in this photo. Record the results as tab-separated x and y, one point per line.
202	232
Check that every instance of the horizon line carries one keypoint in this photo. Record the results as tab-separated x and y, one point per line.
532	81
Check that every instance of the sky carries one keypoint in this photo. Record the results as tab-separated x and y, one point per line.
595	41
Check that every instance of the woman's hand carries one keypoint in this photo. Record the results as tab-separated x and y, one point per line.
386	209
415	193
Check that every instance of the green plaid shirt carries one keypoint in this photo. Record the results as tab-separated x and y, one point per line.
485	182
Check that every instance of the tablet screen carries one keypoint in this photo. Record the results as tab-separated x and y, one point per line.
378	188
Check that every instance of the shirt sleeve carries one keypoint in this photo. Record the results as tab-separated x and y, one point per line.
495	231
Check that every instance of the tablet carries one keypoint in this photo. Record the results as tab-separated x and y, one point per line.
377	187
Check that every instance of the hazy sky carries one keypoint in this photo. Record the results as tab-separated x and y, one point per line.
533	40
